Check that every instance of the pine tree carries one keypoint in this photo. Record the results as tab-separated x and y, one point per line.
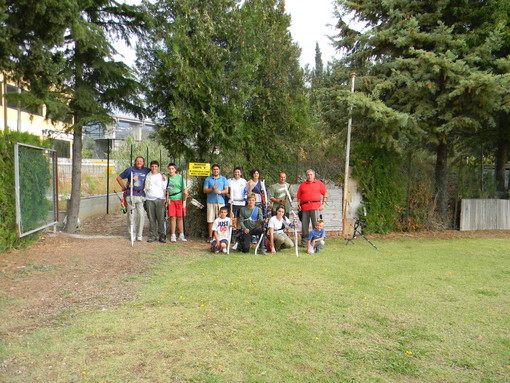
96	82
318	71
61	52
188	64
223	74
275	116
423	83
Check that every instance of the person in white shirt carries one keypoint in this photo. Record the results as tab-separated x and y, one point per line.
155	195
237	190
278	239
221	232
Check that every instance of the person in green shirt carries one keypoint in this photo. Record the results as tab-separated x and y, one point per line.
251	221
278	195
176	194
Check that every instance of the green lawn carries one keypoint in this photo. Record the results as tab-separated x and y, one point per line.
419	310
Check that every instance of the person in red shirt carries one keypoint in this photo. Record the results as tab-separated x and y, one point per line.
312	196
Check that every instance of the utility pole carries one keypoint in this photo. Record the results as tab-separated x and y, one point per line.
347	158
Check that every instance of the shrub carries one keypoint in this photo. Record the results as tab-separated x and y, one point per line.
396	189
383	186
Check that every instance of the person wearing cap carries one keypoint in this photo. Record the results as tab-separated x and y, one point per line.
135	175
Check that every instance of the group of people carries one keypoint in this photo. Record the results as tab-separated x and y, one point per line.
246	208
159	194
249	204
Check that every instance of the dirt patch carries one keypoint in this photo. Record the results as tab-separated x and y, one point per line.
64	274
109	225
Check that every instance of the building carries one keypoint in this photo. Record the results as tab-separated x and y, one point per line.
116	133
16	118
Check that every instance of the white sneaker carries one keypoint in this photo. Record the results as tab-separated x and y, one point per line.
173	238
139	238
182	238
234	247
224	250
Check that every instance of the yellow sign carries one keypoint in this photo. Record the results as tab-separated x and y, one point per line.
199	169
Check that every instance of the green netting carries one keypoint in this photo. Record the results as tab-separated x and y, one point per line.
36	198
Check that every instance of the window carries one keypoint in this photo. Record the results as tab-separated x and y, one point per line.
12	89
14	105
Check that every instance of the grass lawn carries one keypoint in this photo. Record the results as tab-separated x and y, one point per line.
419	310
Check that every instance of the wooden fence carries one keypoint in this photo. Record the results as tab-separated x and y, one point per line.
485	214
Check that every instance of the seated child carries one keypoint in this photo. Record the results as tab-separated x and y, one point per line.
251	221
221	233
316	238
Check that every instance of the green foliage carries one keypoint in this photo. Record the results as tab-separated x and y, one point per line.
431	73
61	52
30	33
88	147
224	74
187	63
8	237
379	173
475	181
396	189
35	181
276	123
132	148
194	221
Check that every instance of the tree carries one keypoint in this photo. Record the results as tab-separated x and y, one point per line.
29	36
224	75
95	83
490	39
188	62
61	52
423	83
275	125
318	71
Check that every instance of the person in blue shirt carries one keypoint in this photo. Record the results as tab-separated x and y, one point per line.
216	188
316	238
135	175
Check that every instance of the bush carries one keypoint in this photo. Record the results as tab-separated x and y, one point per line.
383	186
396	189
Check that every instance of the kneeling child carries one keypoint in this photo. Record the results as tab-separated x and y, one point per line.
221	232
316	238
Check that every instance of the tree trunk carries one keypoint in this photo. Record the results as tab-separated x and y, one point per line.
73	209
441	182
502	152
501	156
74	204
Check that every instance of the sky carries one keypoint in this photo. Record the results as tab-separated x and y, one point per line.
309	24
